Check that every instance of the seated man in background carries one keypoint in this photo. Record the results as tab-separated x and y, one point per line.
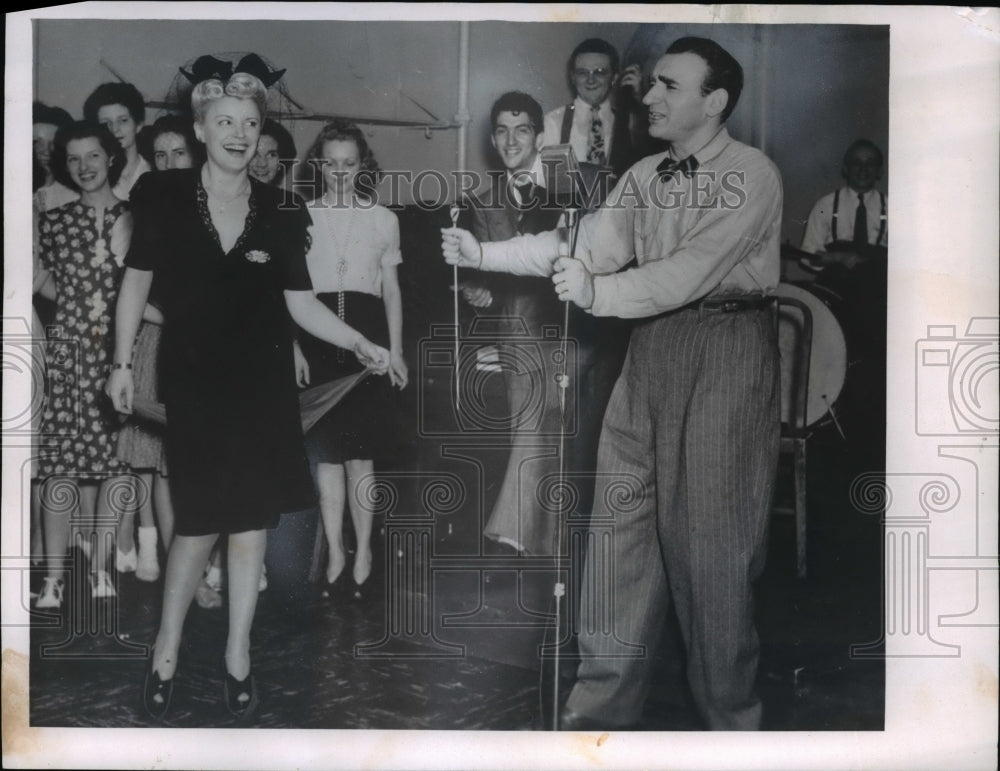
847	232
848	226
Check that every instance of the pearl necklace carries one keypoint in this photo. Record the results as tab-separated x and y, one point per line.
219	202
340	248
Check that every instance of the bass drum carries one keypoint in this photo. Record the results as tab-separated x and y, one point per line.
827	358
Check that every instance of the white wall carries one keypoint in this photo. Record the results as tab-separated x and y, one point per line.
810	90
352	68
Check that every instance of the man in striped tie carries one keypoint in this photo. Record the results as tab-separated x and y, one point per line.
689	443
597	123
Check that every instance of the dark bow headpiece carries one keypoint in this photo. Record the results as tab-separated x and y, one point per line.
254	65
207	67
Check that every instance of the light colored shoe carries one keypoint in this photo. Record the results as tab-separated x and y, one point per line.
148	568
262	584
126	562
207	597
52	593
101	586
83	543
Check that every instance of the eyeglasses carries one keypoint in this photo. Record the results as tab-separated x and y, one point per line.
600	73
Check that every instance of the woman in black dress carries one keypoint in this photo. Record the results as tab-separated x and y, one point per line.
229	262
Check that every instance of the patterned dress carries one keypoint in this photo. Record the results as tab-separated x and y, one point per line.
79	422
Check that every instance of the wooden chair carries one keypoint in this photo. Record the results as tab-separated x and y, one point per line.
795	327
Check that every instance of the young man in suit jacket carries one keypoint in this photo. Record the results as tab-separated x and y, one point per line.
522	311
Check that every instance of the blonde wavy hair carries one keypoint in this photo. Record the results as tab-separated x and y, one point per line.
241	85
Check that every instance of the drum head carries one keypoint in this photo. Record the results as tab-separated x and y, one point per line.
827	360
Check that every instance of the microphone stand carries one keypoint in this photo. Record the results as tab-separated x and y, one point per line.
562	174
562	382
454	212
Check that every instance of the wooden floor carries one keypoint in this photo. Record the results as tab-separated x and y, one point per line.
438	672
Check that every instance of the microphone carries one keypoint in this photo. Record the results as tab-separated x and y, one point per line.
562	174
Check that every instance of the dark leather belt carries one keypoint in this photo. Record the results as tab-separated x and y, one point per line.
734	304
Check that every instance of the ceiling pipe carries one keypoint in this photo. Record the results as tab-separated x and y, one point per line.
462	117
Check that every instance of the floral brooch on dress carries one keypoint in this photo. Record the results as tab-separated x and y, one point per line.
258	255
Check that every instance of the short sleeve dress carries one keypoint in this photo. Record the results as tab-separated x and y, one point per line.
350	247
78	418
234	435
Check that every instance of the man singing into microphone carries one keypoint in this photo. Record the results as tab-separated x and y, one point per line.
692	426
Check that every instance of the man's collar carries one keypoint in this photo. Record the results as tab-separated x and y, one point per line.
534	175
847	189
710	149
580	104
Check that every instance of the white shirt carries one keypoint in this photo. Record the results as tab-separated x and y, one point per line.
534	175
819	226
364	238
125	184
579	133
717	232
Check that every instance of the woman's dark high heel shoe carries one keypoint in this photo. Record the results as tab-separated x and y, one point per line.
156	694
331	590
241	695
357	591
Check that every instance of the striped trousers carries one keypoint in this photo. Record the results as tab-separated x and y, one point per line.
691	432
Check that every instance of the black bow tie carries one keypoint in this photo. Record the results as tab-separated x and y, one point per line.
669	168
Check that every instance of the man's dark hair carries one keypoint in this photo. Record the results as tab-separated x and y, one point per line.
723	70
83	130
54	116
518	102
863	144
593	45
124	94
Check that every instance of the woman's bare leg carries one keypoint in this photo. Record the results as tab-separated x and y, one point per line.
185	563
245	562
60	497
163	503
359	477
332	493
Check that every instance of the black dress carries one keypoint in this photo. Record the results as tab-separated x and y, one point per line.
361	424
234	436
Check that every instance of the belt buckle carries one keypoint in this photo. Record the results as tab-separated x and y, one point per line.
731	306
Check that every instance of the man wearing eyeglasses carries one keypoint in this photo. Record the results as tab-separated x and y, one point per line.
846	226
596	127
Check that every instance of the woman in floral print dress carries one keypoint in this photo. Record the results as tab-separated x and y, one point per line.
82	245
